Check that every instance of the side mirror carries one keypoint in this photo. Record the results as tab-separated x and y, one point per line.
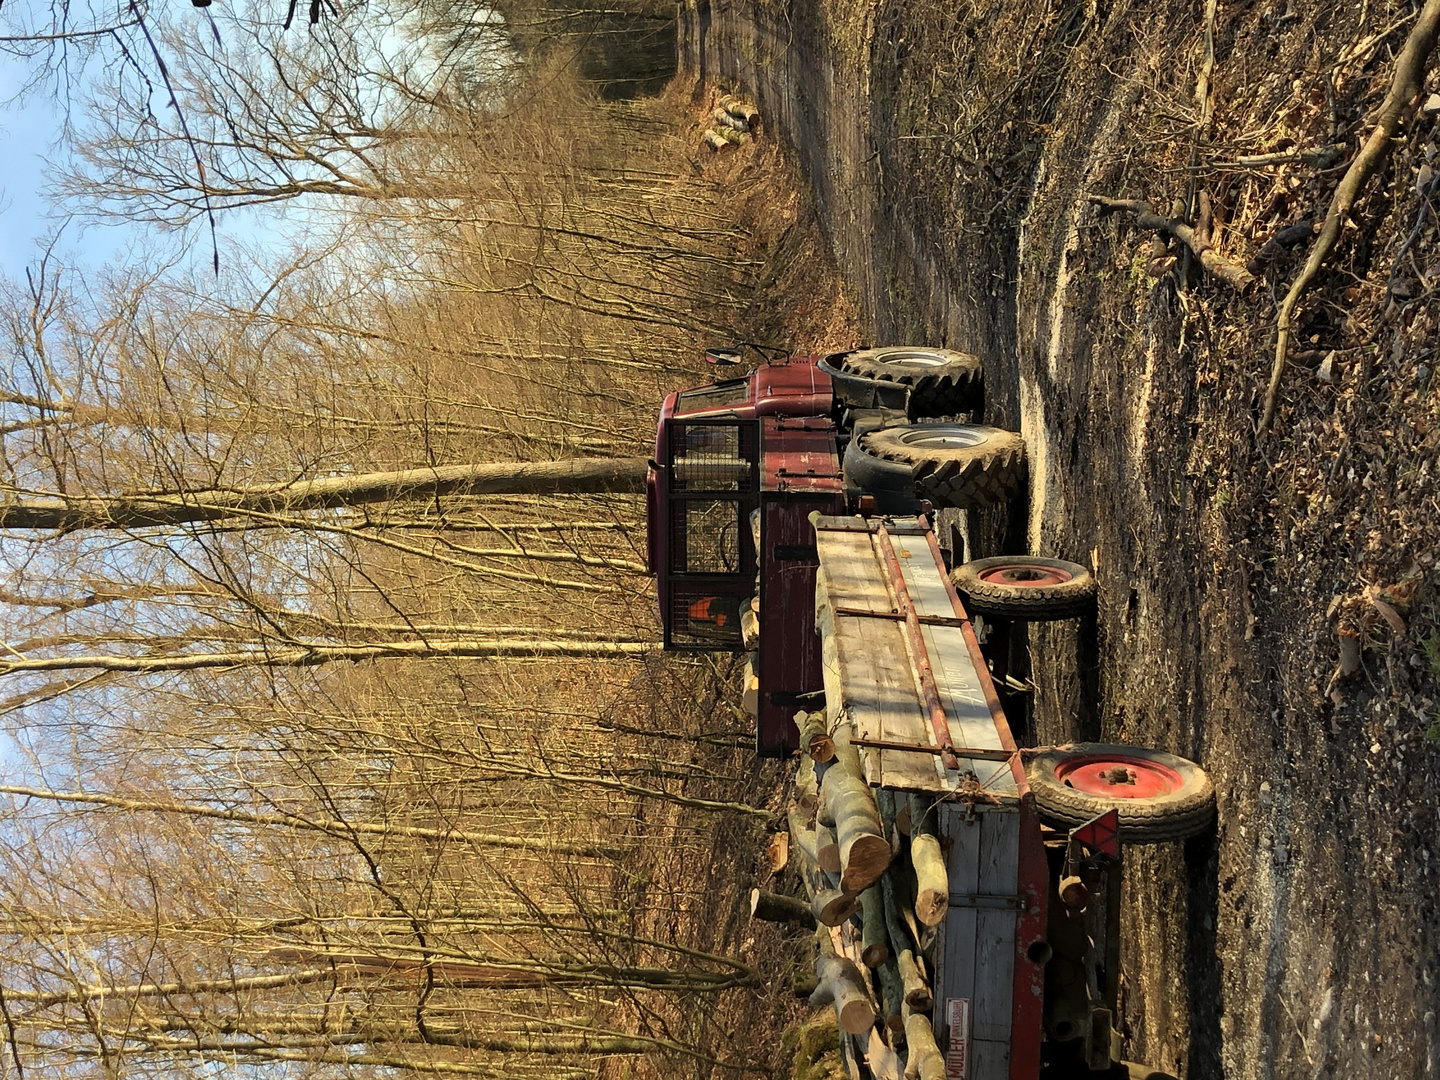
722	357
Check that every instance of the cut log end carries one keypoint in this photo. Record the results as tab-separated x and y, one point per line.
866	859
831	907
815	737
841	985
932	886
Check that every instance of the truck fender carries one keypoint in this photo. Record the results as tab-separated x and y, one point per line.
890	482
864	393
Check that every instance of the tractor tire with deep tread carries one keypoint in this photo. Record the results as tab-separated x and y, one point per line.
1025	587
1176	799
955	465
942	382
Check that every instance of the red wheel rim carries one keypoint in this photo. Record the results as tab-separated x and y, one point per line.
1025	575
1117	776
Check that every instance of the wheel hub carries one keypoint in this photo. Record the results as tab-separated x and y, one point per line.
943	437
1119	778
1026	576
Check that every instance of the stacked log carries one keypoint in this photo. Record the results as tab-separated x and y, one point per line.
715	141
875	894
733	122
723	118
741	110
750	686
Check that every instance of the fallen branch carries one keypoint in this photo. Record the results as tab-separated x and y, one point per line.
1404	86
1232	273
1320	156
1286	237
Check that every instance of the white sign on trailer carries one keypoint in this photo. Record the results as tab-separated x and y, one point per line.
957	1053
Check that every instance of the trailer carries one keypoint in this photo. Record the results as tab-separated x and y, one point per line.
906	685
966	891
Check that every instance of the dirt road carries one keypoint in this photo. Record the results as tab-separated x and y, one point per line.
951	153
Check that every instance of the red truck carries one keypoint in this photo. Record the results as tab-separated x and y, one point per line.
740	465
789	517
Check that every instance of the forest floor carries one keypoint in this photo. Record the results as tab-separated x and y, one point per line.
1268	601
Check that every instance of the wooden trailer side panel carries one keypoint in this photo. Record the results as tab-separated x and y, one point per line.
975	958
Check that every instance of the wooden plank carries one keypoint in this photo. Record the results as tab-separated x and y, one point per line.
829	659
851	571
989	1059
868	661
881	694
999	867
967	711
955	967
955	973
922	577
913	727
869	680
995	958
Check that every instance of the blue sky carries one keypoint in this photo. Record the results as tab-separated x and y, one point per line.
29	133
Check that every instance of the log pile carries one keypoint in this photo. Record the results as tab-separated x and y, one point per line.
733	122
876	879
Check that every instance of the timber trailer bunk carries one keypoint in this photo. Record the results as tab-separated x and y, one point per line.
965	893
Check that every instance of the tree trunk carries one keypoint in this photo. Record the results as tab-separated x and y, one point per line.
575	476
324	653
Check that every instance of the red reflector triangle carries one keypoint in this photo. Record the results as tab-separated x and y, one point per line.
1101	833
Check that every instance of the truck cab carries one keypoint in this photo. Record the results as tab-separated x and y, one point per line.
739	466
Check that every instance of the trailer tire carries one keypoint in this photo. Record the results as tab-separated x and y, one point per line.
941	381
956	465
1025	587
1171	798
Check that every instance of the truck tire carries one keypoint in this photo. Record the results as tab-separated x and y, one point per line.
941	381
1159	796
959	465
1024	587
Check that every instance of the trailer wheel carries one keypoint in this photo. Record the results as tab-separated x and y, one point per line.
1024	587
941	381
959	465
1159	796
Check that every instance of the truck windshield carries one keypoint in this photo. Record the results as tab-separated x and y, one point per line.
718	396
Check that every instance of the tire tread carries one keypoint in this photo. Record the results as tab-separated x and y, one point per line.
1035	603
1178	816
954	388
